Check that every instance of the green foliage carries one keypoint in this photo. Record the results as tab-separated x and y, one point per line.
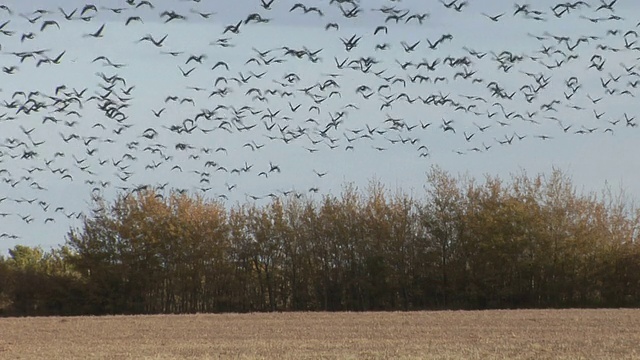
532	242
36	282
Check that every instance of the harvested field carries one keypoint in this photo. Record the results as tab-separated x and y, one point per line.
508	334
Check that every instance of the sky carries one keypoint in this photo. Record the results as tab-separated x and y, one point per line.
240	115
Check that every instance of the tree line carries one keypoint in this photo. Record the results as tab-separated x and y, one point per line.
531	242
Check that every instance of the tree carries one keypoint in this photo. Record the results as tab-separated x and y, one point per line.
440	217
526	242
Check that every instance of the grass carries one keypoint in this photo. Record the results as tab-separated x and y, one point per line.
504	334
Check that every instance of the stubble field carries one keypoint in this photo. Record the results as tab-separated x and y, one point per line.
517	334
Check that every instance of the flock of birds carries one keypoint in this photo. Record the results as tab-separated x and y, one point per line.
202	97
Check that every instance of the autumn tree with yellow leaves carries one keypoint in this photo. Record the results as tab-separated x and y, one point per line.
464	244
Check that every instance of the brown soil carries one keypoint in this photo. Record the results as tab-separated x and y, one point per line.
517	334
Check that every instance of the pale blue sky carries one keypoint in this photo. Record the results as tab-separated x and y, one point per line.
594	156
